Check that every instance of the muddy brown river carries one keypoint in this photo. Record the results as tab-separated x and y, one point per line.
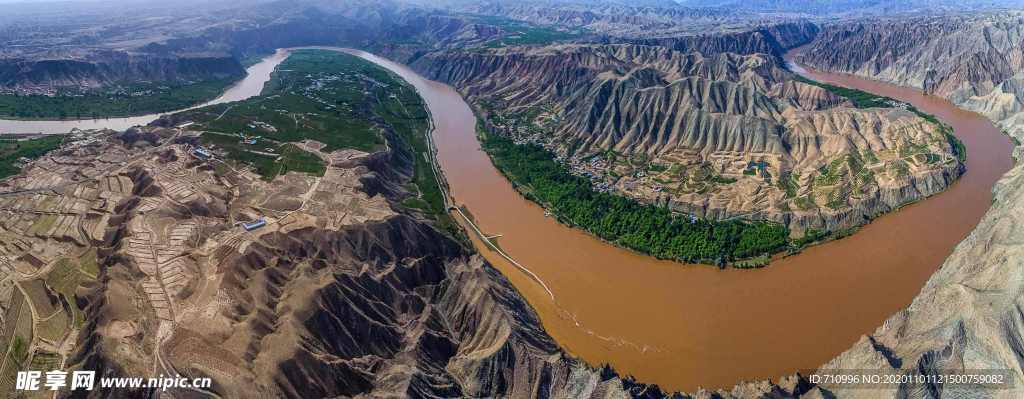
687	326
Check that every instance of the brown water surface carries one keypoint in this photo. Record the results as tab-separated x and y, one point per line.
683	326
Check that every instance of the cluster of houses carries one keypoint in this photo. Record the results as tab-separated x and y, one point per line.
593	170
897	104
319	82
262	125
250	140
202	153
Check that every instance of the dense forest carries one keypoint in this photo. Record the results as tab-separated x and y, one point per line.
645	228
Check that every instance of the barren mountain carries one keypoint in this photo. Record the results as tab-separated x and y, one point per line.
975	60
968	316
718	136
766	38
182	44
858	8
348	292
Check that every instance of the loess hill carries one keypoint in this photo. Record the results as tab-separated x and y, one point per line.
968	315
716	136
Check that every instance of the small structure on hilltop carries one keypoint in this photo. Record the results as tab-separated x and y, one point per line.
254	225
202	153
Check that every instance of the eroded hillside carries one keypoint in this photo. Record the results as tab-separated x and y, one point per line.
968	315
975	61
716	136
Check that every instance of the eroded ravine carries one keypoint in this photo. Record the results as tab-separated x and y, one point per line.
684	326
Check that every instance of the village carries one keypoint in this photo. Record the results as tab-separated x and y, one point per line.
650	179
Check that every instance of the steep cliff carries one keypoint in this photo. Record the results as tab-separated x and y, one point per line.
973	60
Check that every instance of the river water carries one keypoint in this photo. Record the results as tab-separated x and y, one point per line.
249	86
687	326
683	326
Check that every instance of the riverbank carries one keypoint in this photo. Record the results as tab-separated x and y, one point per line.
13	152
645	228
652	229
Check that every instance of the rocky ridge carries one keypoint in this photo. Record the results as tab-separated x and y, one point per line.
975	61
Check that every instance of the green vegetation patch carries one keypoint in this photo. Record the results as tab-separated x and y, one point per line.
788	183
67	275
337	99
115	101
281	158
12	150
645	228
17	334
859	98
521	33
806	202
